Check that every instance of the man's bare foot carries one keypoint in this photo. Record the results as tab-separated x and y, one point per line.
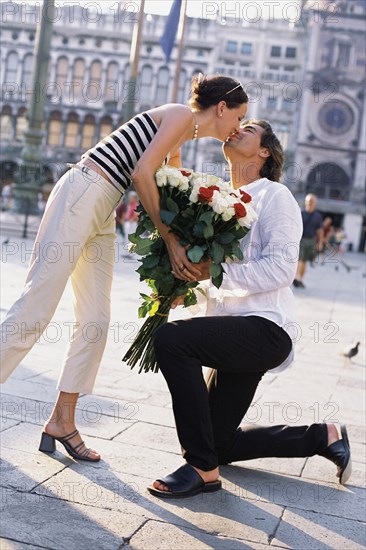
58	429
211	475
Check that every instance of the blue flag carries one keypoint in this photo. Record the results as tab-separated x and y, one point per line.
171	26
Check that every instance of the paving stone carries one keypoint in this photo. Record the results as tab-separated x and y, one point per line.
6	544
57	524
24	470
223	512
132	411
300	493
303	529
151	437
6	423
162	536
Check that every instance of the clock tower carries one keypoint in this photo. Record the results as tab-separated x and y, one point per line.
330	157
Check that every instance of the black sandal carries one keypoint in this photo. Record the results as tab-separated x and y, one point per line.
48	445
184	482
339	453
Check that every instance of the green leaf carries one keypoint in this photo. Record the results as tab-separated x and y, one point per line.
167	217
217	281
198	229
207	217
188	213
208	231
237	251
225	238
150	261
217	253
215	270
142	312
190	298
154	308
143	246
195	254
172	205
146	297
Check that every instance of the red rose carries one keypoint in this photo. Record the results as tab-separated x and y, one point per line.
214	188
240	211
205	194
245	197
185	173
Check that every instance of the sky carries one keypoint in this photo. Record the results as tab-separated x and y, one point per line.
249	10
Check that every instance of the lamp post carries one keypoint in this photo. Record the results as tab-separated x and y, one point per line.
134	63
28	180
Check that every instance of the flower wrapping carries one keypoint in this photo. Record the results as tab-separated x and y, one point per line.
210	218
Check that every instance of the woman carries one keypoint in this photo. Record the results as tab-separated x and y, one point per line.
77	234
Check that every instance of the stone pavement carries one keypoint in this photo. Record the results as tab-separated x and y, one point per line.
55	502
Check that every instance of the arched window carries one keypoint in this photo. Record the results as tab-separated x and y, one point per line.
144	84
27	71
78	76
105	127
6	124
72	130
55	129
162	86
21	124
11	69
111	85
87	139
95	72
329	181
61	71
182	88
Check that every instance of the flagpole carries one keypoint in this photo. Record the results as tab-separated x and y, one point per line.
134	63
181	29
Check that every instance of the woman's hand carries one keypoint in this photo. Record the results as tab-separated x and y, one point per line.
182	268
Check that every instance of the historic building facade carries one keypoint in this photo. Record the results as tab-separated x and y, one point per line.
305	75
331	144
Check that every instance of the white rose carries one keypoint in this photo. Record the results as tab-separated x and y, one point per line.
184	184
193	197
197	178
161	178
228	214
218	203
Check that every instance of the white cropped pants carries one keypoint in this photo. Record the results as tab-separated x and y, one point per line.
76	238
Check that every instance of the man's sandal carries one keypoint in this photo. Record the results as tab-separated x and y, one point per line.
183	483
80	451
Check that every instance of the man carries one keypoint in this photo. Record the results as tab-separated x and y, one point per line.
247	331
312	237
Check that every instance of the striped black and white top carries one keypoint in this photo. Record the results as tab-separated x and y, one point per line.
118	153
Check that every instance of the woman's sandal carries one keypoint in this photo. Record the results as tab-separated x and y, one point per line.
339	453
48	445
183	483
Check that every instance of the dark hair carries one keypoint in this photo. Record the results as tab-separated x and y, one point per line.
207	91
272	168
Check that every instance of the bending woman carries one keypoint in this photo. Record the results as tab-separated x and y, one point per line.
79	222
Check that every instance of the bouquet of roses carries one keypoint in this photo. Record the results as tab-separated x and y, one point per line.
210	218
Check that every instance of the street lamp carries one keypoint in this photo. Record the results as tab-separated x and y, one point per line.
29	177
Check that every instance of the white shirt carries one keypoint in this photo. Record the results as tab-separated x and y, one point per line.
260	284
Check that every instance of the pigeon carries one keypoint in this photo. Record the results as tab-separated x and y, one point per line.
350	352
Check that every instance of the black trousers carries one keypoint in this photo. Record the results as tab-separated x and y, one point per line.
207	416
